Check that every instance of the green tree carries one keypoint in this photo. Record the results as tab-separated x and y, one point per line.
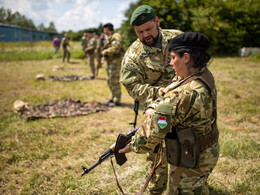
127	31
51	27
7	17
229	24
41	27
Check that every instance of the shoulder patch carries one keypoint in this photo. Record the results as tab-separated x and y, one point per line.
162	122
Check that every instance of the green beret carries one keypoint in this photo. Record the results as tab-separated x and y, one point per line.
142	14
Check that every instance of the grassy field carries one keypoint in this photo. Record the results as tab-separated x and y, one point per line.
13	51
44	156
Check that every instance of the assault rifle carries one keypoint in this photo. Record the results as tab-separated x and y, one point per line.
121	141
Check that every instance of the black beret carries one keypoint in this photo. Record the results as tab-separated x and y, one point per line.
90	31
142	14
107	25
189	40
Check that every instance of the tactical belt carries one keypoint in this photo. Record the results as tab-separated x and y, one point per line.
209	139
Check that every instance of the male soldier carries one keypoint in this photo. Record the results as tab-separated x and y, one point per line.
84	43
65	46
145	70
90	50
112	54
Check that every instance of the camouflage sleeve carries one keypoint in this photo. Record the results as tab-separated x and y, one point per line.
91	45
132	78
155	128
179	107
115	46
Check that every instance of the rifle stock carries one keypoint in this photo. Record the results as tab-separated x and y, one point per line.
122	141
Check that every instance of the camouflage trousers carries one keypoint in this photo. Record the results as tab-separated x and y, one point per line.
182	180
66	53
62	108
91	58
158	182
193	181
113	76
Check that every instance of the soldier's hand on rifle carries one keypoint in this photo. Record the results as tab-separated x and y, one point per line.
126	149
102	53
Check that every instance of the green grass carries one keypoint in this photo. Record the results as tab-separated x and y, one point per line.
44	156
35	51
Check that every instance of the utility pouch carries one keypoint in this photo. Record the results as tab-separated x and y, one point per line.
172	148
189	147
182	147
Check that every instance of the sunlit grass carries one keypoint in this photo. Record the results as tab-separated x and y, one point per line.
44	156
41	50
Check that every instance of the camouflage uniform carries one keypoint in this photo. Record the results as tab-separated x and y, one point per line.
189	105
90	50
143	73
98	50
65	47
143	69
84	44
113	55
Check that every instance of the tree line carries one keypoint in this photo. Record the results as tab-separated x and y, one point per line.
8	17
229	24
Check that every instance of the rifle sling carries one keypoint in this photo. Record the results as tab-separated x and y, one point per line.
117	182
151	173
148	178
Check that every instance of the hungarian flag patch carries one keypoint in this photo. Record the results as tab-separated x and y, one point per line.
162	122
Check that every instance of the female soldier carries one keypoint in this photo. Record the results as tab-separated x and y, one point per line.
184	119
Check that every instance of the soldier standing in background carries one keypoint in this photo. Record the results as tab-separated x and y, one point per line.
145	70
65	46
84	43
90	50
112	53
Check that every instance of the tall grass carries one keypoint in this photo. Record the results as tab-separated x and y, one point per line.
41	50
44	156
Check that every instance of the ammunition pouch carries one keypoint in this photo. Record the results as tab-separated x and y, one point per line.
182	147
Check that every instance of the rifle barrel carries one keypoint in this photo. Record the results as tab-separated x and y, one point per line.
101	159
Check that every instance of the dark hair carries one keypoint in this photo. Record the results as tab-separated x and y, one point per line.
109	26
199	57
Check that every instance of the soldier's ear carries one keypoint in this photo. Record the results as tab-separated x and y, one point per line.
186	57
157	20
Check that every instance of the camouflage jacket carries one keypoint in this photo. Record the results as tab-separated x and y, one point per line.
91	45
98	46
112	48
143	69
65	42
189	105
84	42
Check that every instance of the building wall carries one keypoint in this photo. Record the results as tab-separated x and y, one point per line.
15	33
